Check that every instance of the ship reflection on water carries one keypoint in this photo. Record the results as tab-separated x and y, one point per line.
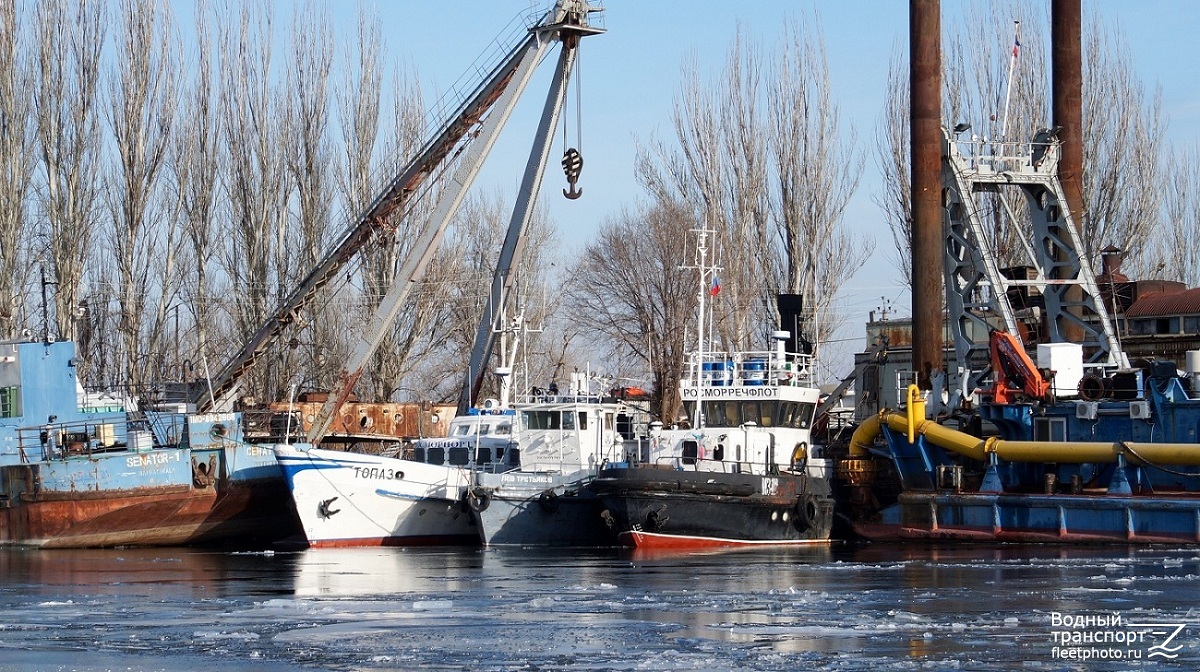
842	606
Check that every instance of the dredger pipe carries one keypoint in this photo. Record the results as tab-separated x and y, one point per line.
1070	452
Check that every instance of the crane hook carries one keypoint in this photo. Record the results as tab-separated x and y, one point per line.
572	164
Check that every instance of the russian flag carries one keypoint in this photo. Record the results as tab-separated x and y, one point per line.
715	288
1016	47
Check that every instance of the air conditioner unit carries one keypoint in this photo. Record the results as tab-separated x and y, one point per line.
1086	410
1139	410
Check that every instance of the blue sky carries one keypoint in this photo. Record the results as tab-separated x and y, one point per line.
631	74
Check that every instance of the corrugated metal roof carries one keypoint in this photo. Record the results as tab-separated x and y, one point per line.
1186	302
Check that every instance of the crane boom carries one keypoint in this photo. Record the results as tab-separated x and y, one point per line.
514	239
565	24
376	221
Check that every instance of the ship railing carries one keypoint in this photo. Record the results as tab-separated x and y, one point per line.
984	156
542	396
61	440
752	369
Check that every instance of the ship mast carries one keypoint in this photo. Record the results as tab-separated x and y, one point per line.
707	277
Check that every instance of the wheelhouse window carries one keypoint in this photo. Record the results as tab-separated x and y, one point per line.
504	429
714	414
541	419
767	412
689	411
750	412
802	416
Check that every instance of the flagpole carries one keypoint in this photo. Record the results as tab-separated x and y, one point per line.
1012	64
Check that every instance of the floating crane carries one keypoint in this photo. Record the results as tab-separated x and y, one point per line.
467	136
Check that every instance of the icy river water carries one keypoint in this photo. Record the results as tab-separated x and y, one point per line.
845	607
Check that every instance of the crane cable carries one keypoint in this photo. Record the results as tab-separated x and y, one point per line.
572	161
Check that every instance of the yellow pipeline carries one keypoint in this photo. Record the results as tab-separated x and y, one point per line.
864	435
916	411
1175	454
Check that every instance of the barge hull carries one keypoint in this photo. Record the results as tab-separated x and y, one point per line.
1031	518
712	510
246	511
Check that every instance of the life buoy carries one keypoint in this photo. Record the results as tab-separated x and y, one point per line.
800	456
548	500
808	512
478	499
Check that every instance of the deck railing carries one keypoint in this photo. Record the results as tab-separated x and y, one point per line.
751	369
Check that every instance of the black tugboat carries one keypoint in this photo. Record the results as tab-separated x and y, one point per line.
744	472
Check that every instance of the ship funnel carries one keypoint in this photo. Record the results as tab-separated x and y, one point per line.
791	316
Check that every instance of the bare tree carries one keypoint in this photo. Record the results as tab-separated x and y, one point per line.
474	247
759	159
70	37
1175	249
359	179
142	99
255	183
1121	125
637	296
358	105
816	170
893	146
16	165
194	160
1122	141
410	334
309	162
703	169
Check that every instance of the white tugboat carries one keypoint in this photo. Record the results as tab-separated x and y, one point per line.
745	472
348	499
541	498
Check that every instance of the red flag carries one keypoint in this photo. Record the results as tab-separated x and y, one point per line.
716	287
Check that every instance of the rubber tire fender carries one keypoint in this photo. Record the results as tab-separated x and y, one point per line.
548	500
478	499
808	512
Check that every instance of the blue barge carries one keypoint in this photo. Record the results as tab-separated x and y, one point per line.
71	476
1124	467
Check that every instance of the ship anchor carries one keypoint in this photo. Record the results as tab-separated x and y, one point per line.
323	508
